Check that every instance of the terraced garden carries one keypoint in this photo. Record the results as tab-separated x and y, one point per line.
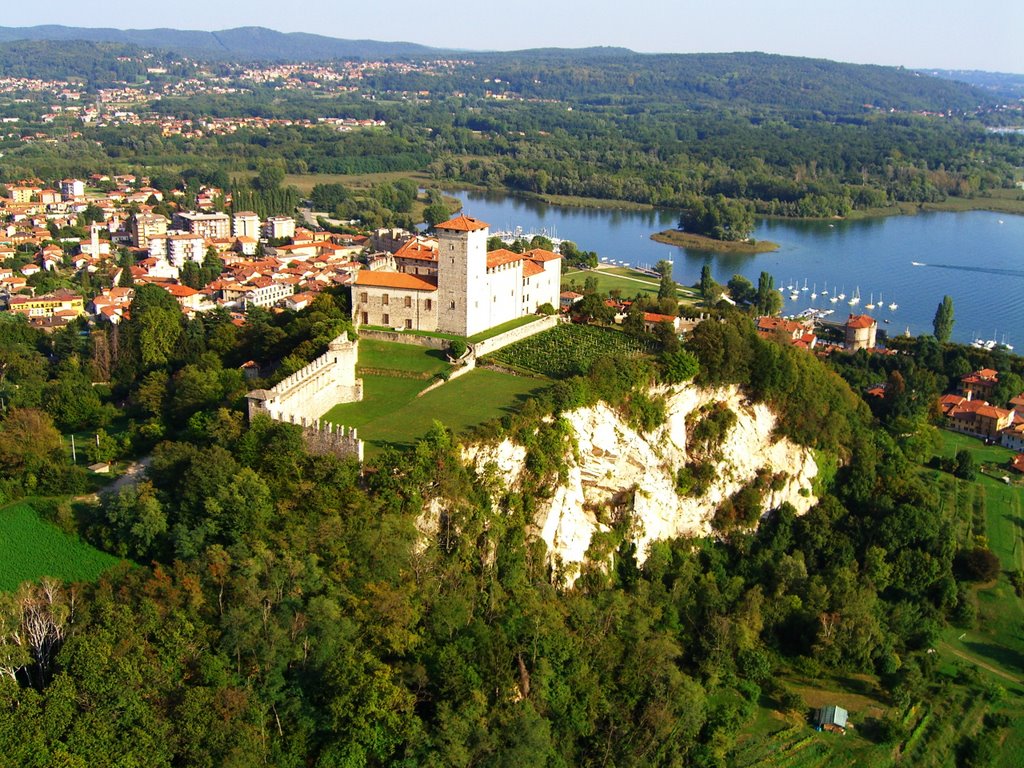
568	350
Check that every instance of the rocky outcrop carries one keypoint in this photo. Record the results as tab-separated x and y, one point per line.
615	467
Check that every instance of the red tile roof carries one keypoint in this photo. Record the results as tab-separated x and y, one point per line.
653	317
539	254
463	223
860	321
400	280
502	256
531	268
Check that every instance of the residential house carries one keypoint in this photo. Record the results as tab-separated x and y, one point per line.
979	385
978	418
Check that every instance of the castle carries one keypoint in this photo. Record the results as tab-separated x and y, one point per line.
469	291
306	395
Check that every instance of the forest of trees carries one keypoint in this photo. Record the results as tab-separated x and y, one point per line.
287	608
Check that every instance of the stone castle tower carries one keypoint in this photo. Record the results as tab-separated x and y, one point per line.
462	276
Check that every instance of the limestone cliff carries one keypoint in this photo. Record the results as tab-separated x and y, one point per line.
617	466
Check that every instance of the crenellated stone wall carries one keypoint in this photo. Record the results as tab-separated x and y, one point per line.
308	394
325	437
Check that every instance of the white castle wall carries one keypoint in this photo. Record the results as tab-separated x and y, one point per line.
306	395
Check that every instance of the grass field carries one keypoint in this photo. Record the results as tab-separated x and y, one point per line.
31	548
568	349
391	413
497	330
406	358
995	646
629	281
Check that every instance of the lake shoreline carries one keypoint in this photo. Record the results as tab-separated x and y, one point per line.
1008	205
703	243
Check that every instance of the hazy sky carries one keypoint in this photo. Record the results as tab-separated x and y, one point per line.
952	34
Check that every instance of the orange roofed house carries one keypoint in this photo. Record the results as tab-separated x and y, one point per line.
978	418
472	290
979	385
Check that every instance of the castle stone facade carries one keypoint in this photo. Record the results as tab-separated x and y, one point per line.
472	290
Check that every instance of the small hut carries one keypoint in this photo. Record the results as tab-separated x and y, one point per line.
832	719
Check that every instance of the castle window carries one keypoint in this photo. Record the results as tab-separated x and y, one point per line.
451	304
408	301
429	304
408	324
384	299
386	319
366	318
364	297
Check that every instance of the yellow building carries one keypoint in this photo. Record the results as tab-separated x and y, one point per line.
60	303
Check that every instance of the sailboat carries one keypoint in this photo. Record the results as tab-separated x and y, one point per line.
805	285
814	292
871	302
893	306
842	294
855	299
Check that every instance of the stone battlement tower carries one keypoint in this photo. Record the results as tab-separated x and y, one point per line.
462	276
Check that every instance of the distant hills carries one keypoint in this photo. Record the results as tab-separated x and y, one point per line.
598	75
241	44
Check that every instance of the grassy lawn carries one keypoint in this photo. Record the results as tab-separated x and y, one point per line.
391	414
983	454
629	281
407	358
499	329
31	548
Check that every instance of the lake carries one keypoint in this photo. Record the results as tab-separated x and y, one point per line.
976	257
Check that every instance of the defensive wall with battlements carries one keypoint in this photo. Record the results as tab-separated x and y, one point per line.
308	394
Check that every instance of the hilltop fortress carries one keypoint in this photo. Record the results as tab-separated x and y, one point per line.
465	291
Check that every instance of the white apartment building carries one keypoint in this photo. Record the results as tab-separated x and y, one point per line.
278	227
246	224
215	226
178	247
72	189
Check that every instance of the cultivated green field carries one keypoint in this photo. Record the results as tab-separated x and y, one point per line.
31	548
568	349
391	413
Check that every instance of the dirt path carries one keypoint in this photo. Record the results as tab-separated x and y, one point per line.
978	662
131	476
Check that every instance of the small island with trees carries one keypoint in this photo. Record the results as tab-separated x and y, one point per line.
716	224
